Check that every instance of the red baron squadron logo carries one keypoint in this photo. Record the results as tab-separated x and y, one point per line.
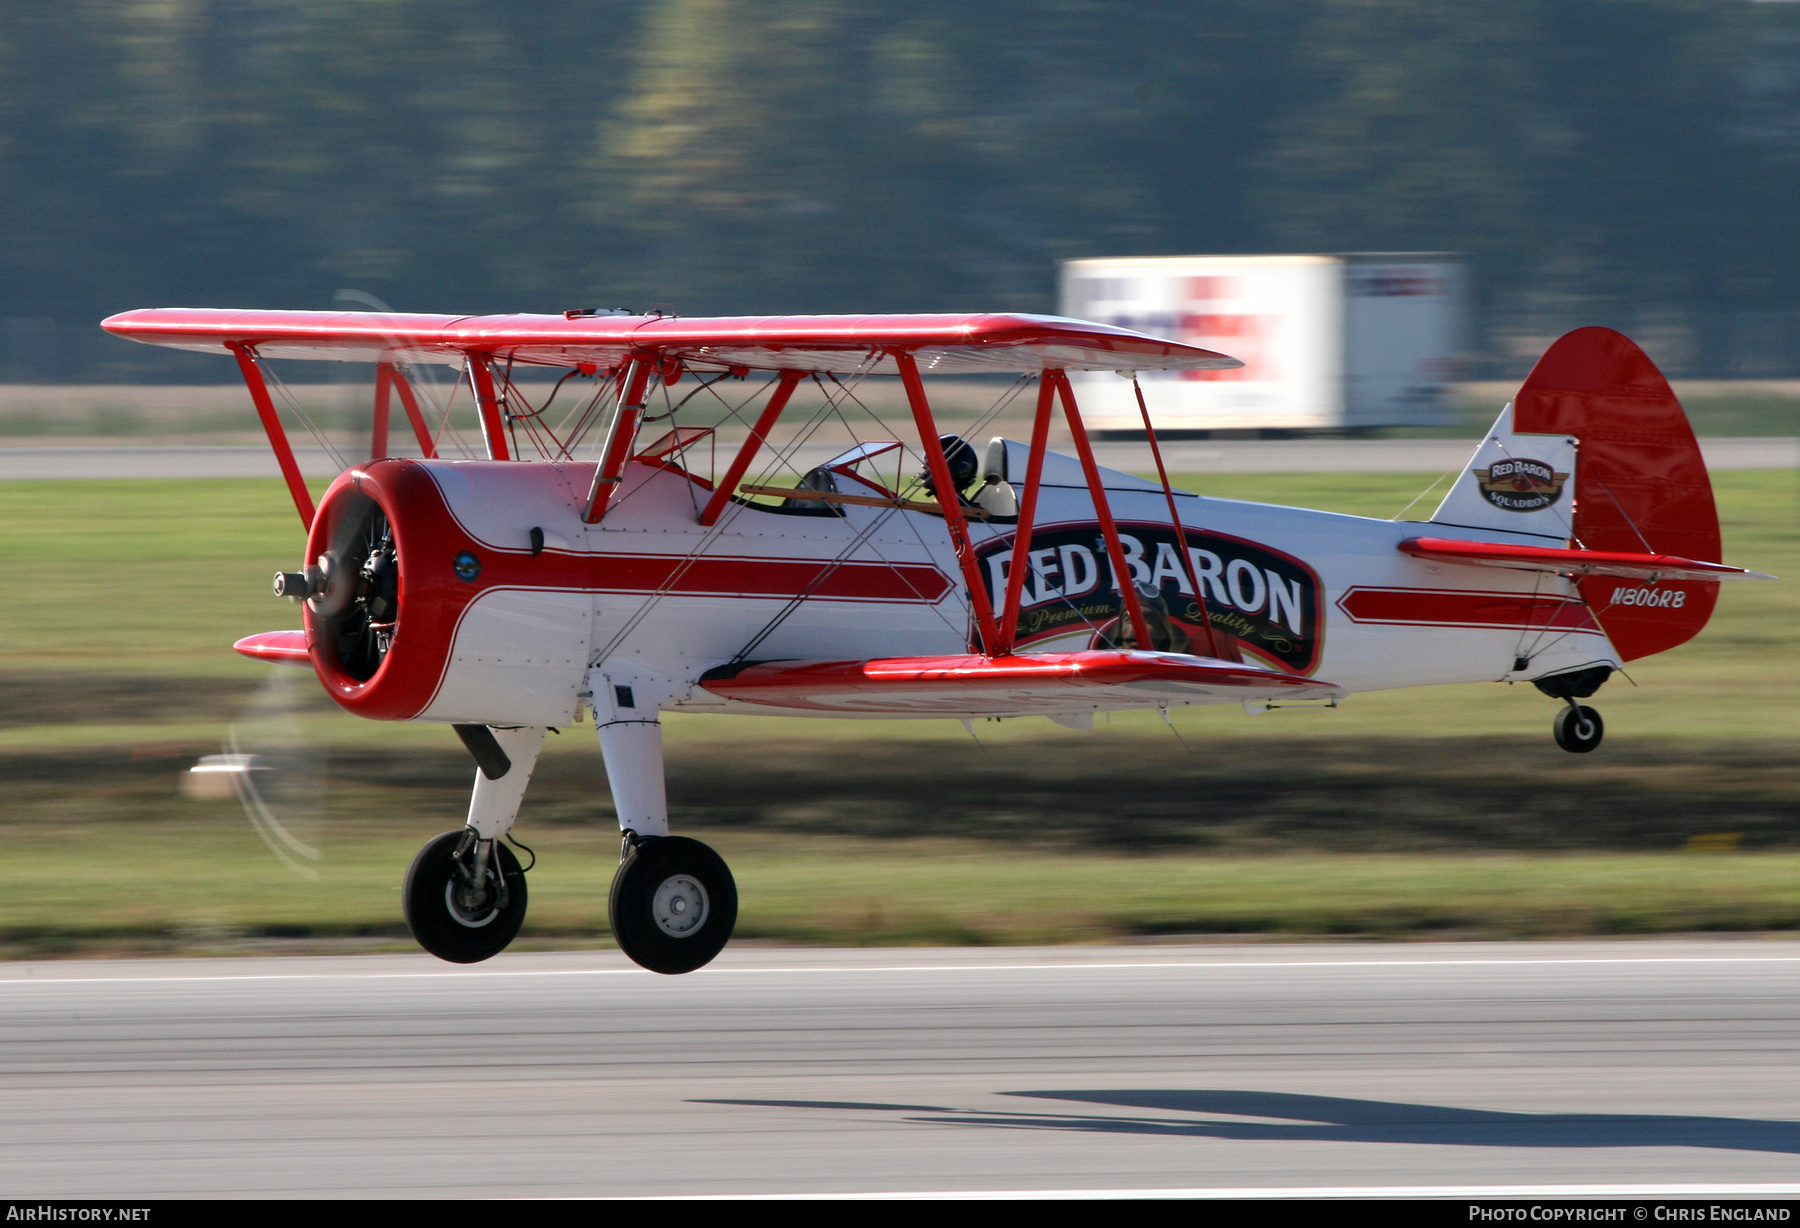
1520	484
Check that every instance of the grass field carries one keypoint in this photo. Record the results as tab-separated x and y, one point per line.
1442	811
190	884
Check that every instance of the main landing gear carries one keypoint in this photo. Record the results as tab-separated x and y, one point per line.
1578	728
465	892
464	897
673	903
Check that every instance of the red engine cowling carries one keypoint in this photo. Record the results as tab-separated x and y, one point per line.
415	615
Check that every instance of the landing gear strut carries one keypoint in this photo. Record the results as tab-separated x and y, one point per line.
465	893
673	904
1578	729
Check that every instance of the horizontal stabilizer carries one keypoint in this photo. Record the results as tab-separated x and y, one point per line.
277	648
1574	562
1040	683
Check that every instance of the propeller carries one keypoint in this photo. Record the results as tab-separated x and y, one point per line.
279	775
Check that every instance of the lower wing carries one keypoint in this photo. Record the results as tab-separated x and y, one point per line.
1006	686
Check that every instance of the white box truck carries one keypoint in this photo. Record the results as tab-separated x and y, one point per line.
1336	343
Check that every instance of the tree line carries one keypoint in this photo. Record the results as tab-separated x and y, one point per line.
1620	161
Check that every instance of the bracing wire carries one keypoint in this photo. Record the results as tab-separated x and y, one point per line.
677	573
1439	482
836	396
446	430
847	392
299	412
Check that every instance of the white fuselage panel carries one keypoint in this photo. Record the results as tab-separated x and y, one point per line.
1312	592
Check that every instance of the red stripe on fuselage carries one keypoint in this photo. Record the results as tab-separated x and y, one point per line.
724	577
1426	607
707	576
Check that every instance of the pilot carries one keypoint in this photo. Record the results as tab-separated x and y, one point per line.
963	465
995	495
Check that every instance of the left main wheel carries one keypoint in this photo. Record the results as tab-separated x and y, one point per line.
454	917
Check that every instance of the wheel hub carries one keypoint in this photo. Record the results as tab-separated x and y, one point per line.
679	906
470	904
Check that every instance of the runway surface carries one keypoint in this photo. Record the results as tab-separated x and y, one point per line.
1651	1066
1209	456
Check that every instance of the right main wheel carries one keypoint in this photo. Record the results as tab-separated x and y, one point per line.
673	904
1578	730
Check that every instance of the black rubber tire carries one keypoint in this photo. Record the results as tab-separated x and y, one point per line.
1568	733
436	927
632	905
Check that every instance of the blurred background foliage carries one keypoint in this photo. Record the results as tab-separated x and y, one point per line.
1631	162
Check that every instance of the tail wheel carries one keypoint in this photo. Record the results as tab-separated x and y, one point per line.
456	917
673	904
1579	729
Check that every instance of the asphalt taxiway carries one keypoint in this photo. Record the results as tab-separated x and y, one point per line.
1402	1068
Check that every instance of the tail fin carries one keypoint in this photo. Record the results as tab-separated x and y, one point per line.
1640	483
1515	483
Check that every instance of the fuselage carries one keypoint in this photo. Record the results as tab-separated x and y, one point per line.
1307	592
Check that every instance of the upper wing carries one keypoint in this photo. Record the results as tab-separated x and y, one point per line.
1006	686
942	344
1574	562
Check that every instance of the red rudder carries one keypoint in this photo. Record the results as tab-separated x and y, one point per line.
1640	483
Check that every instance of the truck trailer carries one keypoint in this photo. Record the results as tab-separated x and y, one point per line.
1330	343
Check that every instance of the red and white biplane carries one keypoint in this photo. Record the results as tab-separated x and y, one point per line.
576	564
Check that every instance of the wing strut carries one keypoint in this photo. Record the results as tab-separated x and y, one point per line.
389	377
1021	554
278	440
493	428
619	436
765	422
951	502
378	429
1187	560
1103	512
